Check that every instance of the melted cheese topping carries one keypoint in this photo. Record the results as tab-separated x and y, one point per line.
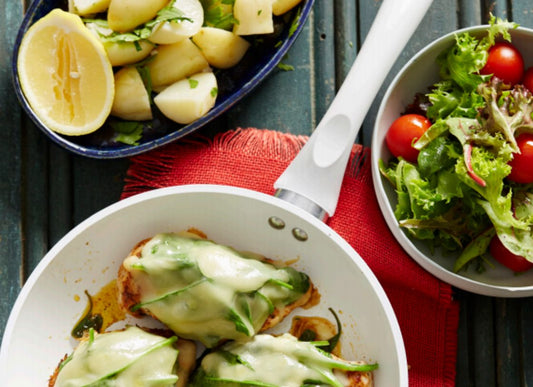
277	361
207	292
131	357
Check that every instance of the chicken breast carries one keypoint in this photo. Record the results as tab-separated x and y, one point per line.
208	292
132	357
278	361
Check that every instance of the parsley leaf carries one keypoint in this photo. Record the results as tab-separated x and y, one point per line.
128	132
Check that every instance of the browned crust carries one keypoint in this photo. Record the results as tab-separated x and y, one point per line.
186	361
129	294
359	379
128	291
280	313
53	377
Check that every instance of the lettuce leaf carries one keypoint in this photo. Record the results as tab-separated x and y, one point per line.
508	111
519	240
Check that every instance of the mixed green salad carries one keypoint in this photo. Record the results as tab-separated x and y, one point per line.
459	194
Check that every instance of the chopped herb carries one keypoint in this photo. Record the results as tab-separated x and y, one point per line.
233	359
108	35
307	335
138	266
219	13
169	14
64	362
88	322
285	67
295	22
320	343
335	339
193	83
146	77
271	307
214	92
259	12
91	336
281	283
240	325
167	295
128	132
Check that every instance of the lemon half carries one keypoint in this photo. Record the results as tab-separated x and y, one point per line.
65	74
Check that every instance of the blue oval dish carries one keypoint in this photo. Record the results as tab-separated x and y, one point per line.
233	85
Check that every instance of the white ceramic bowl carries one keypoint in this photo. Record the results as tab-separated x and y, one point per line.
87	258
416	76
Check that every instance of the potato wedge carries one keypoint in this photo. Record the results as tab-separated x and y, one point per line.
222	49
125	15
131	98
254	16
169	32
120	53
279	7
189	99
173	62
88	7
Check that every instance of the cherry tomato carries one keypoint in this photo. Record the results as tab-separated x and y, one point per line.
514	262
522	163
403	133
528	79
505	62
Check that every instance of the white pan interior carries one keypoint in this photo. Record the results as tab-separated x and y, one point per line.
37	335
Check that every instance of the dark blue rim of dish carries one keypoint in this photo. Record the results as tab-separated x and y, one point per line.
39	8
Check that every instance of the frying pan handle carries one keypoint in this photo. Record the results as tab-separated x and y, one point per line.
313	179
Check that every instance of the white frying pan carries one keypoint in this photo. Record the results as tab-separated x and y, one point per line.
37	334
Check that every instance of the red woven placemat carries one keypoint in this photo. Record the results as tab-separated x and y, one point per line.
254	159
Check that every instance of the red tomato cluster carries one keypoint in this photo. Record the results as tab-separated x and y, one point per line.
505	62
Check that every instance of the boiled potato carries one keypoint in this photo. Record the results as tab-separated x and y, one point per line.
279	7
169	32
131	98
125	15
254	16
218	14
189	99
221	48
173	62
120	53
88	7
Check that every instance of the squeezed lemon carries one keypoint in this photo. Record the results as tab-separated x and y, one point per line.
65	74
